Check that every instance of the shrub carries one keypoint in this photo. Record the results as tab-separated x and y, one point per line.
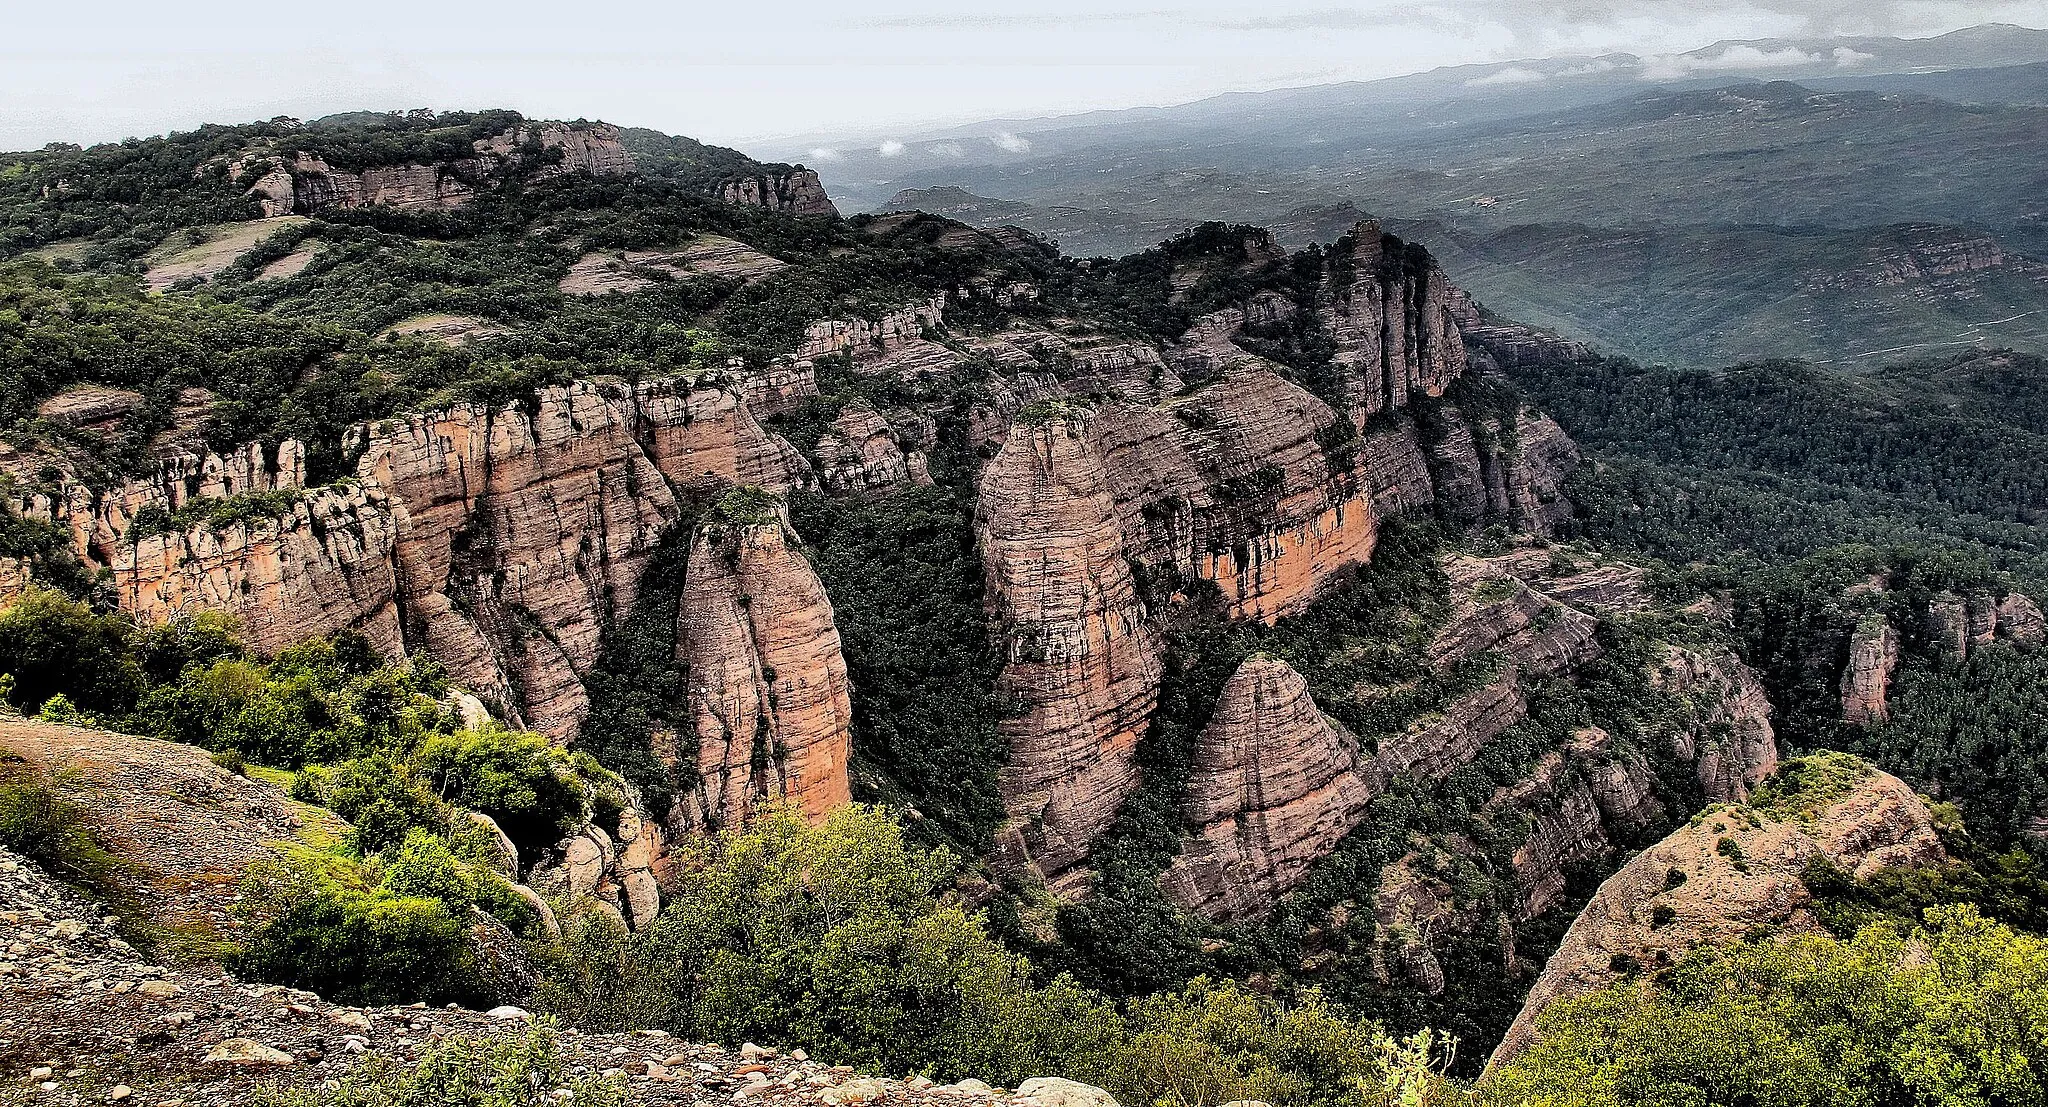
517	1070
523	781
1950	1013
383	798
317	924
39	823
58	646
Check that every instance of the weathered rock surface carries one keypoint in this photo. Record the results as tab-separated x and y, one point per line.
769	700
1082	660
1691	890
798	192
304	183
499	541
860	453
871	339
1867	675
1389	309
1277	784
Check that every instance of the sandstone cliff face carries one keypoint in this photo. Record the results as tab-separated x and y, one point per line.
1082	661
303	183
499	541
798	192
861	453
1275	784
1646	917
1867	675
769	700
869	339
1278	785
1391	318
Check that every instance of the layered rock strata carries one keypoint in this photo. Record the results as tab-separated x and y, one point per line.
1082	661
1730	874
798	192
499	540
769	698
1867	675
1276	784
304	183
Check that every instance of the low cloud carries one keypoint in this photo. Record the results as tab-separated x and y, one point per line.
1512	75
890	148
1733	59
945	150
1010	143
1846	58
824	153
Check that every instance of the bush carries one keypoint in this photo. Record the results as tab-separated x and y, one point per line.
519	1070
318	924
1949	1013
523	781
381	797
57	646
39	823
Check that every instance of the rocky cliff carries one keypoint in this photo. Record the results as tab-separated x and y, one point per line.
501	541
1732	873
798	192
1083	661
303	183
769	699
1276	784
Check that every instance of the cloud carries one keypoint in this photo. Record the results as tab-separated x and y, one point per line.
1846	58
824	153
945	150
1512	75
1007	19
890	148
1010	143
1590	69
1732	59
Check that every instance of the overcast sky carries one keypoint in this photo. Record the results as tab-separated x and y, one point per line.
744	70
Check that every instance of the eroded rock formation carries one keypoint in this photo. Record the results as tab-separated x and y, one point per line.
798	192
1867	675
1728	875
303	183
769	700
1082	660
498	540
1277	785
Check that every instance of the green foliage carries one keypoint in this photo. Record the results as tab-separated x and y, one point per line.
38	822
383	797
836	937
1804	786
1951	1013
217	514
526	1069
45	548
906	589
326	925
55	646
523	781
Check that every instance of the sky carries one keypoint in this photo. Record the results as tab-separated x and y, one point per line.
745	72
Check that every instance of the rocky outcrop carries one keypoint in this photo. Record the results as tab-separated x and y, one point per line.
797	191
770	706
1730	874
862	453
303	183
868	339
499	540
1867	674
1277	785
1388	307
1727	733
1082	662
